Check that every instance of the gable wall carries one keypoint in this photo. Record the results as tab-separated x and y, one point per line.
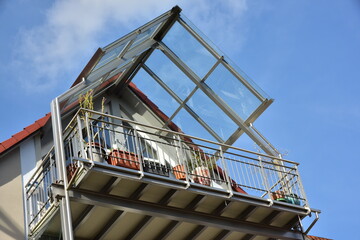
11	196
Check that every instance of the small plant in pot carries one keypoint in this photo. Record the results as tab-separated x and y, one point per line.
93	144
199	166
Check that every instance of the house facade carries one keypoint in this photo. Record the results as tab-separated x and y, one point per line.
142	147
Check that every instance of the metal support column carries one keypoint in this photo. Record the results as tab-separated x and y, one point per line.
65	212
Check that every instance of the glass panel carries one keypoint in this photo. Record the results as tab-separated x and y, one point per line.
220	53
155	92
144	35
212	115
170	74
110	55
190	126
246	77
233	92
189	50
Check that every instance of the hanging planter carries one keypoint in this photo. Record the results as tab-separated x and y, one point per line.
279	196
202	175
179	172
124	159
293	199
155	168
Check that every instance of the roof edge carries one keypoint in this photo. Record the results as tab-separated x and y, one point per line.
24	134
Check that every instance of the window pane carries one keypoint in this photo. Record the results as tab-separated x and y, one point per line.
144	35
233	92
203	106
189	50
170	74
110	55
155	92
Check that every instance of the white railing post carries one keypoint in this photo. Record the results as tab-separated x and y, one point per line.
265	180
301	187
89	135
226	172
81	138
137	149
183	161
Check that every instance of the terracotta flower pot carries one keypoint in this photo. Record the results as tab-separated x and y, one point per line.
279	196
202	175
124	159
179	172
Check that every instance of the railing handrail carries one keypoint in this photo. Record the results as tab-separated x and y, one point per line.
184	135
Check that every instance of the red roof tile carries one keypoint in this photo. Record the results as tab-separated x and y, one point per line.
21	135
27	131
2	148
317	238
9	143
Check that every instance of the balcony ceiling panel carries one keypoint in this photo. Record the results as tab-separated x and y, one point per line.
94	222
151	231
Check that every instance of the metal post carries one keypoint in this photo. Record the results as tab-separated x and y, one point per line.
81	138
137	147
231	192
89	135
182	161
65	212
265	181
302	191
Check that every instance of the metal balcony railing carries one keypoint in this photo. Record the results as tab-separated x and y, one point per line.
38	192
128	144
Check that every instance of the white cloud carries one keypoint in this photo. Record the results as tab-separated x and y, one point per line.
48	53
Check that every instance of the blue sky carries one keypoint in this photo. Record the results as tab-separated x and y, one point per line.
304	54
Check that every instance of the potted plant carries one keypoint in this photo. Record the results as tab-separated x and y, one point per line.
199	171
93	144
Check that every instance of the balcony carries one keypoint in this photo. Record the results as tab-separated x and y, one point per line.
128	180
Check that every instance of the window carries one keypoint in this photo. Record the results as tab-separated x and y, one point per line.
145	148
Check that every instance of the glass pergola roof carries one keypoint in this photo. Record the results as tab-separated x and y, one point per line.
191	81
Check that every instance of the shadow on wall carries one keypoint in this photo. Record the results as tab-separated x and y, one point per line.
8	228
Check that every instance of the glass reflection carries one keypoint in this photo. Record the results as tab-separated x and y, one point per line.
170	74
155	92
233	92
212	115
189	50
